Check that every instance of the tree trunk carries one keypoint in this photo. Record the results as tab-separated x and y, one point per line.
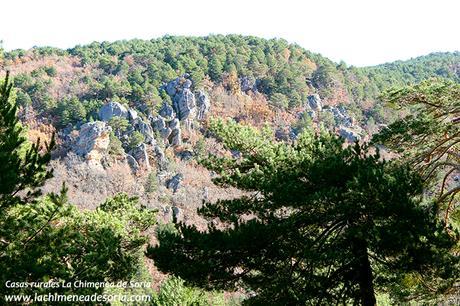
364	273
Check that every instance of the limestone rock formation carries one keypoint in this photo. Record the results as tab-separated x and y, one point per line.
349	134
184	104
162	161
315	103
203	104
141	155
132	162
175	182
341	116
167	112
175	138
112	109
248	84
93	141
132	114
145	129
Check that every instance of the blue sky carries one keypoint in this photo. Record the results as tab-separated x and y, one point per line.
359	32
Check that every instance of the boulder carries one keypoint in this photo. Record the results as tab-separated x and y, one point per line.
93	141
187	84
175	138
175	182
167	112
176	213
162	162
160	125
247	84
185	155
203	104
112	109
141	155
349	134
146	130
171	87
132	114
184	104
132	162
314	102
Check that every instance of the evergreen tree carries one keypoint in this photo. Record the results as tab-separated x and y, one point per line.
321	224
429	136
22	167
46	238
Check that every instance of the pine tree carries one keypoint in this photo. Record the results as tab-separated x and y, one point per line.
22	167
46	238
428	138
320	224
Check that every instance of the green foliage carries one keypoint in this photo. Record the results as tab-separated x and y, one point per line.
70	111
54	240
328	225
429	137
200	148
304	123
49	239
23	99
135	70
118	125
151	185
19	170
174	292
50	71
115	146
136	139
327	119
279	100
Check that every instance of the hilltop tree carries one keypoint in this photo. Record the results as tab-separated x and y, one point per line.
429	136
320	223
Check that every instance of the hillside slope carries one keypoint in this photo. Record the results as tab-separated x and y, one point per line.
132	115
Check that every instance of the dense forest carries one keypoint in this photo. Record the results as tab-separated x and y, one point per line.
133	72
229	170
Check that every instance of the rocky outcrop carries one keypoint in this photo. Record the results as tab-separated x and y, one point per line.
93	141
203	103
132	162
349	134
344	124
112	109
186	103
315	103
175	138
162	162
176	213
341	116
145	129
141	155
132	114
170	131
185	155
175	182
248	84
161	126
167	112
183	99
186	106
